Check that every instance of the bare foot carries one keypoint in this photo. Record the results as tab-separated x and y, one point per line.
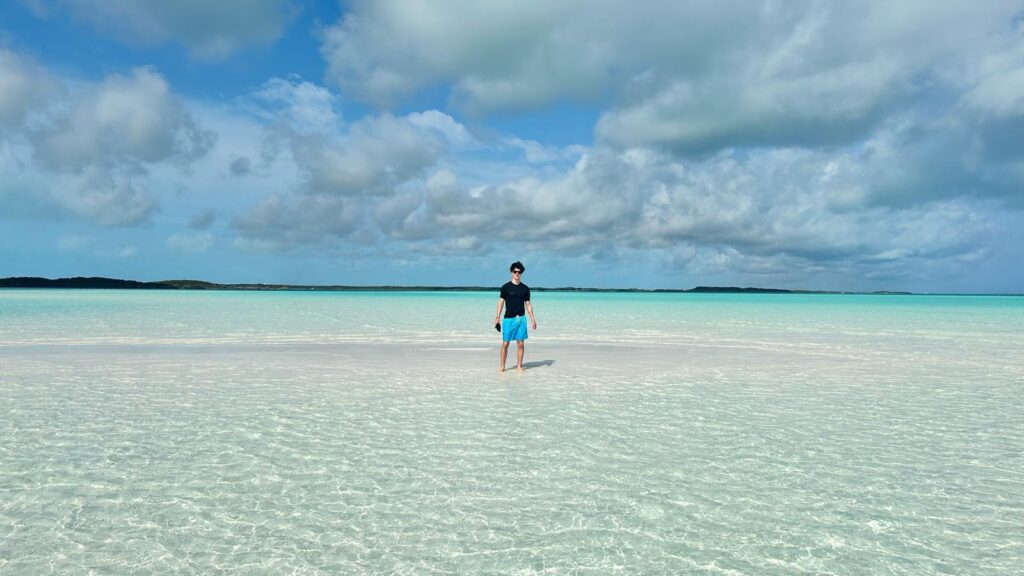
500	370
519	368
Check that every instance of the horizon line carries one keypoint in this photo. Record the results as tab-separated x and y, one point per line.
102	282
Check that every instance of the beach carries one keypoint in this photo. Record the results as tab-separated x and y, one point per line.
154	432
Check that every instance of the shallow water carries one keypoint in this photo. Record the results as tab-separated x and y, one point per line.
155	432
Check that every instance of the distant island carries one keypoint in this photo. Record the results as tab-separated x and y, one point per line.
113	283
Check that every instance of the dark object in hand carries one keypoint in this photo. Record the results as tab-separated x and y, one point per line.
497	326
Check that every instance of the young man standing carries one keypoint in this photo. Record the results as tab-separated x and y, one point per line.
515	297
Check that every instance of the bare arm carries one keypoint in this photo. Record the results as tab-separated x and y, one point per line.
497	314
529	310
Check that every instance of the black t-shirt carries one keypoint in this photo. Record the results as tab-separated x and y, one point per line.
514	297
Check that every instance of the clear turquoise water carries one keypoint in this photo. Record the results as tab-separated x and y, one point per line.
237	432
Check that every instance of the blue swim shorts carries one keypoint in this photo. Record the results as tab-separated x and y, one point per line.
513	328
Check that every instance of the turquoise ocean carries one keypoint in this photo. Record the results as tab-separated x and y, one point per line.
191	432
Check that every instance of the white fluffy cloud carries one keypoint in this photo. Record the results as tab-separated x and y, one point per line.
123	119
85	150
776	140
869	209
374	155
773	204
833	106
24	87
497	54
295	105
539	153
106	197
778	213
281	222
207	30
345	176
997	83
757	136
441	124
695	77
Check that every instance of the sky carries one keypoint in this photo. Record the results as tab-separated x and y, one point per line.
657	144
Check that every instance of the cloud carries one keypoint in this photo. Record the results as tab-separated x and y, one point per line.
207	30
195	243
999	91
24	87
343	177
756	137
374	153
829	107
456	135
106	197
89	244
98	152
240	166
85	150
372	157
776	140
785	214
496	54
914	159
280	223
295	105
202	220
394	184
539	153
764	214
691	77
807	74
133	119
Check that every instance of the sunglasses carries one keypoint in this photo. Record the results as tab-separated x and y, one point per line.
517	271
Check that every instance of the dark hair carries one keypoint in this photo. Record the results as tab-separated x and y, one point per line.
517	264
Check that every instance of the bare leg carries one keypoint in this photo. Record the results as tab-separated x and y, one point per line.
502	356
520	352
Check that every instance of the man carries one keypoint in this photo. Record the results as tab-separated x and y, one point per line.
515	297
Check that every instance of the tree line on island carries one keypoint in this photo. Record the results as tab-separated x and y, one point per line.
114	283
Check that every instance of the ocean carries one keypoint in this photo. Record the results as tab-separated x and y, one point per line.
156	432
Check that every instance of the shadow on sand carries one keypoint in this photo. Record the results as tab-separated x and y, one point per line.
529	365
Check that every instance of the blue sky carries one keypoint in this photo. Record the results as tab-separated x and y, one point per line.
817	145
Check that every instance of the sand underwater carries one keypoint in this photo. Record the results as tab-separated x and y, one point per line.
152	432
